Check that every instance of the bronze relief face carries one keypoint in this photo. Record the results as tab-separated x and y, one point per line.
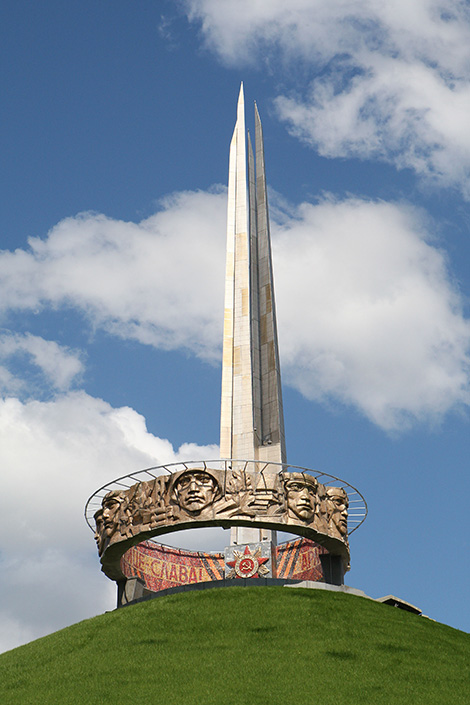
301	496
99	523
111	505
195	490
338	504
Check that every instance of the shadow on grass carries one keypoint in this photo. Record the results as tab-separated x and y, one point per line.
392	648
342	655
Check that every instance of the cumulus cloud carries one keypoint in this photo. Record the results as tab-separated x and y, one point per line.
157	281
380	80
54	455
368	313
59	365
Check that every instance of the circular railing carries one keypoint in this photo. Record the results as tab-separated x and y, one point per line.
357	503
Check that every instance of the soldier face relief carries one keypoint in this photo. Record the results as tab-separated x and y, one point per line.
195	490
338	509
111	505
301	496
99	523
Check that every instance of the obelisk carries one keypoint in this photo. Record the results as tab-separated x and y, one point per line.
252	424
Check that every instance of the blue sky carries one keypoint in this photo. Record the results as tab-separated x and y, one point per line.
116	121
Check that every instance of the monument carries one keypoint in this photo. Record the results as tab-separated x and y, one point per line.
251	490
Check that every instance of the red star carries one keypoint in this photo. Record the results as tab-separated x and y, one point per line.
248	564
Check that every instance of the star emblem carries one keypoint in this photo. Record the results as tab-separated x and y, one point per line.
248	564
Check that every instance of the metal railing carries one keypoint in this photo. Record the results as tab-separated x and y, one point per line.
357	504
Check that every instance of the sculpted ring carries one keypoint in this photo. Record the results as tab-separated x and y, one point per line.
257	494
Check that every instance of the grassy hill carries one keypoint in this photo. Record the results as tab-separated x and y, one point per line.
243	646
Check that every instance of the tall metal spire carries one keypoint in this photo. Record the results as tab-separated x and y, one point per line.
252	424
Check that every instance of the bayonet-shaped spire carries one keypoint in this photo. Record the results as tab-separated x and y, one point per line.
252	425
273	444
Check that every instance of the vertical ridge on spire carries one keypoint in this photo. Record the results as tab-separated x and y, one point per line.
254	303
273	437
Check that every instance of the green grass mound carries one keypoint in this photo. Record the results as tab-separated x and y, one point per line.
241	646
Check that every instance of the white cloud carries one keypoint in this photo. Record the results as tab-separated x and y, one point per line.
59	365
379	324
53	456
396	111
243	30
392	78
136	280
368	314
